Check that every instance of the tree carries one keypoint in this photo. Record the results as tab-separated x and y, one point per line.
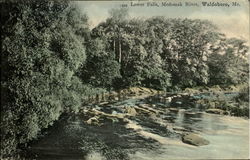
116	21
101	68
185	51
228	62
40	55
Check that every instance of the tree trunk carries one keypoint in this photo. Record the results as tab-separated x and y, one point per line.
120	51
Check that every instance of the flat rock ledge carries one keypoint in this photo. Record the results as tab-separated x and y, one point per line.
194	139
216	111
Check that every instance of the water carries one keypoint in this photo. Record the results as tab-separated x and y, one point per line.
145	136
228	138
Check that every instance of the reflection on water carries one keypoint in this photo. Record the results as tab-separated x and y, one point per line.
228	136
145	137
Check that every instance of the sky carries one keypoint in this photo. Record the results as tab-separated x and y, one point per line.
232	20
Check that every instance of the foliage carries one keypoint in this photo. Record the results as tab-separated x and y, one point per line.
160	52
228	63
40	53
244	94
165	53
101	68
51	61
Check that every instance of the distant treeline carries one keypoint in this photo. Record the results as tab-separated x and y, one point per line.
51	59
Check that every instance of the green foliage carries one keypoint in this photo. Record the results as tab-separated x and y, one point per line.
159	52
45	66
41	53
228	64
244	94
101	68
185	52
171	54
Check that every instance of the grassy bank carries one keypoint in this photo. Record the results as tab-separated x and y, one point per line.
216	88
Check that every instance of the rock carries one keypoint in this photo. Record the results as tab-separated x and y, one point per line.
211	104
161	98
174	109
103	103
113	119
131	111
150	109
168	99
138	91
185	94
114	112
215	111
190	113
180	129
150	112
118	116
191	90
93	120
178	102
97	107
103	115
194	139
201	101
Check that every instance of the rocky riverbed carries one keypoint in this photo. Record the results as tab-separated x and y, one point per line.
144	127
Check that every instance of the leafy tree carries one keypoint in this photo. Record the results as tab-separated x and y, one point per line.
140	61
101	68
228	63
186	49
116	21
40	55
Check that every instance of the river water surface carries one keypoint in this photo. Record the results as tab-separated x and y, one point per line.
144	137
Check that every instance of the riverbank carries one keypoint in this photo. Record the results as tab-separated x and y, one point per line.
145	114
228	100
161	125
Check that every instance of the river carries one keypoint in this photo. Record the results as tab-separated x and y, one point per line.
145	136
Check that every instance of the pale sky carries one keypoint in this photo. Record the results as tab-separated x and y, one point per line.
233	21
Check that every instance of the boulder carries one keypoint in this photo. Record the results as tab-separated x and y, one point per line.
215	111
194	139
131	111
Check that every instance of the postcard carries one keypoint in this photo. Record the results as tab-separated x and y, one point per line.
125	80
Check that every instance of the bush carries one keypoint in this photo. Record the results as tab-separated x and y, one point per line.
243	95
